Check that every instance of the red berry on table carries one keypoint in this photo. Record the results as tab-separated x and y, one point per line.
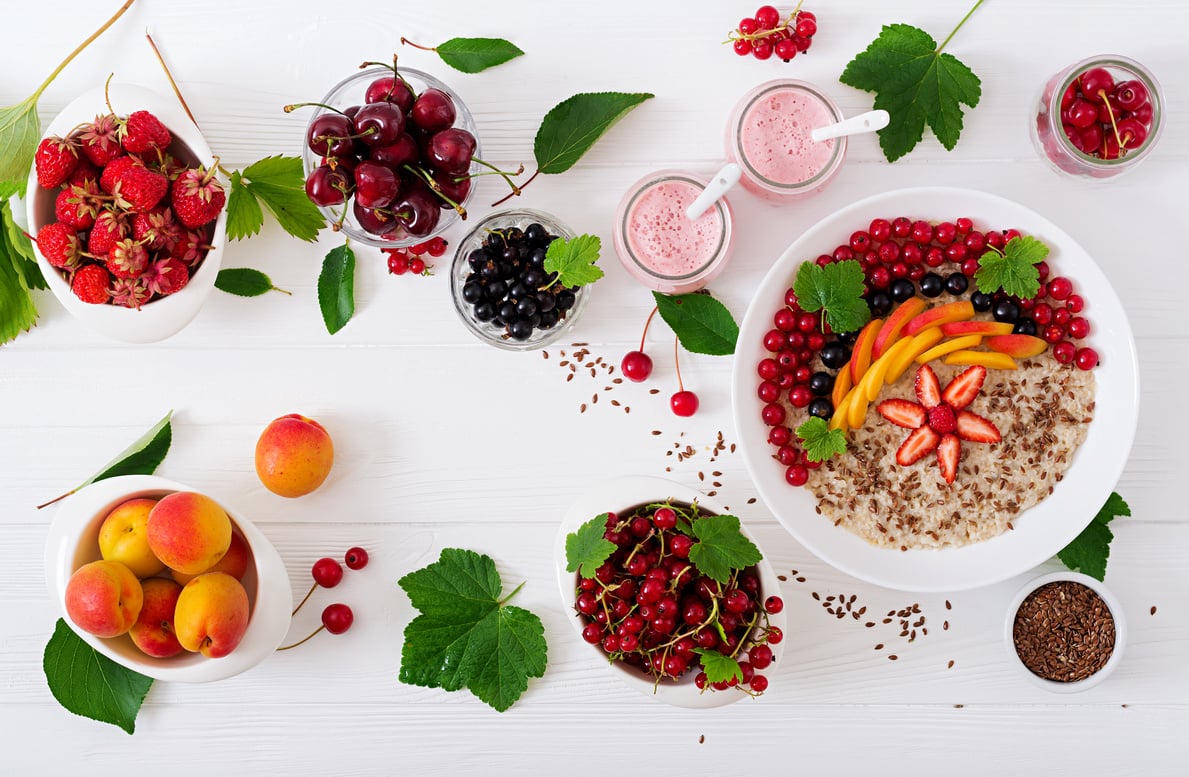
761	49
91	284
436	246
1086	358
636	366
773	604
327	572
684	403
337	618
1064	351
785	49
417	265
742	47
55	159
767	17
356	558
398	262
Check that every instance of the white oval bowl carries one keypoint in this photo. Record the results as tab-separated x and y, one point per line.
73	541
162	317
620	494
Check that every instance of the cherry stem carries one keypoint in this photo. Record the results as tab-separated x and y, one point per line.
516	192
395	72
1111	112
503	174
437	189
647	323
309	593
169	77
81	46
677	364
294	106
955	30
406	42
302	642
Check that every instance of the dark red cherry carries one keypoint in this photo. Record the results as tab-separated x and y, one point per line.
417	211
433	111
453	188
379	124
330	135
327	187
450	150
403	151
390	90
375	222
375	185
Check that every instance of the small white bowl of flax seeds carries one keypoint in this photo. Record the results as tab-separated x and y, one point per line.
1065	631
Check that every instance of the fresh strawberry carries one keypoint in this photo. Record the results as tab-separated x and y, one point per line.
55	160
129	292
114	170
191	247
197	197
140	189
949	453
127	259
109	229
941	418
927	387
963	389
919	443
975	428
84	171
157	229
59	244
90	284
76	207
100	140
166	276
142	132
901	412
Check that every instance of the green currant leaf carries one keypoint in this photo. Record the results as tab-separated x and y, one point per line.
572	126
820	441
587	549
719	668
1090	550
336	288
473	55
90	684
1013	269
244	282
701	323
721	547
836	289
574	260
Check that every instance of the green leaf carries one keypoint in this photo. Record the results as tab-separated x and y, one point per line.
837	289
17	312
1090	550
20	132
574	260
244	282
820	441
473	55
916	84
465	636
721	547
336	288
278	182
22	248
701	323
587	548
572	126
244	216
1013	269
90	684
719	668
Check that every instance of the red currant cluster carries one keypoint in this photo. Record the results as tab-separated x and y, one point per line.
412	259
637	366
1105	119
766	33
327	573
650	608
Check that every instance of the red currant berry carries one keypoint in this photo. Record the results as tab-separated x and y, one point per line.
785	320
759	683
684	403
785	49
901	227
1060	288
760	656
787	455
436	246
945	233
761	49
779	435
417	265
1086	358
592	633
337	618
767	369
774	635
799	396
773	414
327	572
768	391
1053	334
1075	303
806	28
767	17
969	266
356	558
398	264
773	605
774	340
737	601
680	544
1061	316
1078	327
636	366
880	230
797	475
742	47
1064	351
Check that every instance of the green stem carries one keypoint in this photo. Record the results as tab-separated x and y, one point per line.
955	30
82	46
514	592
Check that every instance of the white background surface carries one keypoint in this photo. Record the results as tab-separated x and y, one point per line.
444	442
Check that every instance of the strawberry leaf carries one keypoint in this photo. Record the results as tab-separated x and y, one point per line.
721	547
278	183
17	312
836	289
820	441
701	323
574	260
465	635
572	126
587	548
473	55
244	216
90	684
719	668
20	132
336	288
1090	550
916	84
1013	269
244	282
21	248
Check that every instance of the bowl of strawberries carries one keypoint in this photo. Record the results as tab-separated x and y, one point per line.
127	213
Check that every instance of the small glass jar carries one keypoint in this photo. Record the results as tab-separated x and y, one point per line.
769	136
351	92
490	329
662	248
1073	142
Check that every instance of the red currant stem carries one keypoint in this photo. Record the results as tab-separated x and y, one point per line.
503	174
647	323
77	51
516	193
735	35
302	642
294	106
955	30
515	591
677	364
309	593
406	42
436	189
169	77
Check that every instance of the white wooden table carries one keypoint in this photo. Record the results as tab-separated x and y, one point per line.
421	413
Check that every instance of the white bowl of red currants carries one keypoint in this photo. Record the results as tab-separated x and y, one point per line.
119	239
657	619
388	156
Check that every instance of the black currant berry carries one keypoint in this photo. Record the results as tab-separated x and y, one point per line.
821	383
822	408
931	285
956	283
981	302
902	289
834	355
1007	311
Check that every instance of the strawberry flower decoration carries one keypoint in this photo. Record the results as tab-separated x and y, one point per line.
940	421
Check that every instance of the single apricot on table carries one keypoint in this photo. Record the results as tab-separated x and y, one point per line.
293	455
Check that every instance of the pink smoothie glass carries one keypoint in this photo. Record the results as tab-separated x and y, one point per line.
662	247
768	136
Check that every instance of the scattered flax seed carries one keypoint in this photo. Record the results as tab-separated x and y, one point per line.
1153	610
782	578
948	606
817	596
701	739
945	626
893	657
716	484
959	706
569	377
656	432
627	409
800	580
712	493
879	646
654	391
950	665
752	501
594	398
615	402
732	447
563	362
545	354
582	408
701	476
617	381
716	474
869	624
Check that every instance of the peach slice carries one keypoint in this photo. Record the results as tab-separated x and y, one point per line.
873	381
961	310
1019	346
890	331
949	346
860	358
841	412
988	359
857	410
918	345
980	327
842	386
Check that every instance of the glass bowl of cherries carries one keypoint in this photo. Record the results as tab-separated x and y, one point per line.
389	156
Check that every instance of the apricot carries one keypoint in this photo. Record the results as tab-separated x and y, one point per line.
897	322
123	537
234	562
189	532
103	598
860	358
212	614
948	346
153	631
293	455
960	310
979	327
1019	346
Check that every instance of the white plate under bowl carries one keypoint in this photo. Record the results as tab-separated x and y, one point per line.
618	495
1043	529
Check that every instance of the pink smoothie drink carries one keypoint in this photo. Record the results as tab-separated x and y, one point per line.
659	245
769	137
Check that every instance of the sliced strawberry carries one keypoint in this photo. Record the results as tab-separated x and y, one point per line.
901	412
964	388
941	418
927	386
949	452
920	442
975	428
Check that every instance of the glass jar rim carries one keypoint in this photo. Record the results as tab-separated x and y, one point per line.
646	184
838	145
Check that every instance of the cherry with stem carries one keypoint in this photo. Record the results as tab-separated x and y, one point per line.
637	365
683	403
